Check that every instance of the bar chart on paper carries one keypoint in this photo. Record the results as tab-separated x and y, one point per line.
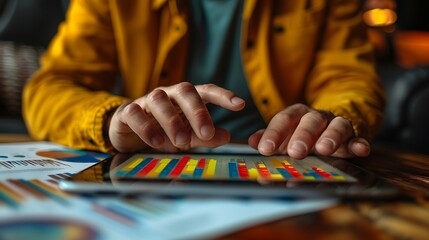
41	159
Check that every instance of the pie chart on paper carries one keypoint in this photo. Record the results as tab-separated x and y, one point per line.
47	228
72	155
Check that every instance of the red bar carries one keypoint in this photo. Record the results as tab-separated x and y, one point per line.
292	171
322	173
148	167
242	171
201	163
263	171
179	167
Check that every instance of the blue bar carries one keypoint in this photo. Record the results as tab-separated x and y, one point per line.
8	200
121	173
168	168
233	170
139	167
198	172
285	173
315	174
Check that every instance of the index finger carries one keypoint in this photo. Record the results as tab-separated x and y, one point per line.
211	93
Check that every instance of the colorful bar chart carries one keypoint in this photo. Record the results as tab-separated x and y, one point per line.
14	192
226	167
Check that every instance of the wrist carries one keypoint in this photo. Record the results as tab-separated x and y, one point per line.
106	126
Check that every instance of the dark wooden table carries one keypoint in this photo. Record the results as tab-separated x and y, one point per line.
403	217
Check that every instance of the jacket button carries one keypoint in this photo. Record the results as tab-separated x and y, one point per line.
164	74
279	29
265	101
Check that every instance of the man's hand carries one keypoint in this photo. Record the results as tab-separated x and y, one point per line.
172	118
299	130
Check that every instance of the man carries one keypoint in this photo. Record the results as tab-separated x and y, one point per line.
303	70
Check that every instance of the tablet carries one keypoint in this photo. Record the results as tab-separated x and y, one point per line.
242	175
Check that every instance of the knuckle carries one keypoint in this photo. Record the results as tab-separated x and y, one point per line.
300	107
207	86
184	88
201	114
273	134
308	134
156	95
146	129
129	110
175	122
344	122
316	116
335	133
284	117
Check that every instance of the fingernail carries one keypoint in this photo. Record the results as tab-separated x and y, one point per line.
182	138
363	145
157	139
237	101
207	131
298	148
267	146
327	143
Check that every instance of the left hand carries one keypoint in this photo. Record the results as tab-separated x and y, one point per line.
299	130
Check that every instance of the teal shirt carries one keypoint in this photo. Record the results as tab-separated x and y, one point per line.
214	57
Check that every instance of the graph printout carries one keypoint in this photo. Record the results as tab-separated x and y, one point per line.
37	209
38	160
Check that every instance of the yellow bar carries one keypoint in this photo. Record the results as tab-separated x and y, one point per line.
276	163
211	168
161	165
190	166
276	176
309	177
133	164
261	165
153	173
253	173
339	177
286	162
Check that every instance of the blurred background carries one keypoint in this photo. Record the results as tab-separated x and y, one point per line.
399	30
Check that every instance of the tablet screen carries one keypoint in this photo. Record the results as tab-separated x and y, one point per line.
227	175
228	167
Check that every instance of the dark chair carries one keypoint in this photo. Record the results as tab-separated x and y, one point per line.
26	28
406	119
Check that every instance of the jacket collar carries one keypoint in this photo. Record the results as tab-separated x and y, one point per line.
249	6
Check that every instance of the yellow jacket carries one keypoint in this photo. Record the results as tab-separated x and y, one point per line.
315	52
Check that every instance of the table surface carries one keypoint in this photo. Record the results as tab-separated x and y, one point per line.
404	217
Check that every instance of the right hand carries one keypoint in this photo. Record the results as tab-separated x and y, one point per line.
171	118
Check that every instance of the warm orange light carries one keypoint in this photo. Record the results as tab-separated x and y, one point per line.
379	17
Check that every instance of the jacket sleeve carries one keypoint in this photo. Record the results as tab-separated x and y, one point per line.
67	98
344	80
